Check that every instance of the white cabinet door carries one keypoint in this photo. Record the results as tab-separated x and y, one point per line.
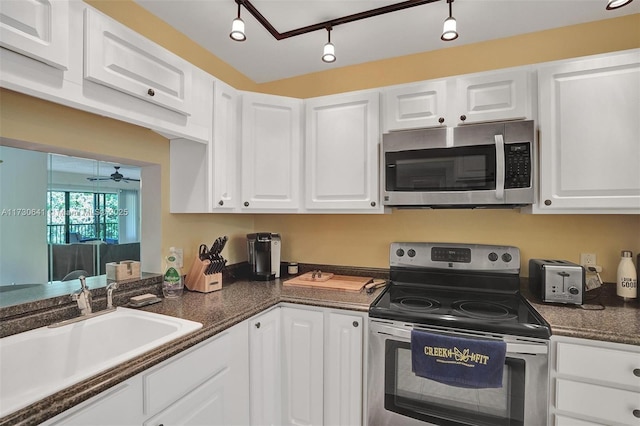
271	152
121	59
37	29
265	368
415	106
225	147
223	397
216	368
120	405
302	362
589	135
490	96
341	158
594	381
343	369
472	98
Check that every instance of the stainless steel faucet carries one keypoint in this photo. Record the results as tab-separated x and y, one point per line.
110	288
83	297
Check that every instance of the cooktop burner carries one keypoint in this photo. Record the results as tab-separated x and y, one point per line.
420	304
483	310
467	287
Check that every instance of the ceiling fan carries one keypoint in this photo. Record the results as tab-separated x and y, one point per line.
116	177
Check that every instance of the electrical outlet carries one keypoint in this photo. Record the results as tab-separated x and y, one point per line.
588	259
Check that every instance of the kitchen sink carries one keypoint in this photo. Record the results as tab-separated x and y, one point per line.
40	362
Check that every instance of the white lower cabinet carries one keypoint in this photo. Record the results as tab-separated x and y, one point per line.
290	365
318	374
120	405
302	366
594	383
344	336
207	384
264	368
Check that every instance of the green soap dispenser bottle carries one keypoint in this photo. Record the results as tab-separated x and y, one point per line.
172	283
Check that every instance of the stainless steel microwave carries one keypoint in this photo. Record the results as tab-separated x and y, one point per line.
477	165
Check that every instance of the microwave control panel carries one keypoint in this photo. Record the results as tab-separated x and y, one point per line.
518	165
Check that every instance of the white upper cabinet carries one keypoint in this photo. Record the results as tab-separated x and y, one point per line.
120	58
589	135
341	152
415	106
501	95
38	29
225	147
271	152
472	98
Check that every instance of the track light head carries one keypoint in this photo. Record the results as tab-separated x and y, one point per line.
237	28
450	27
615	4
329	51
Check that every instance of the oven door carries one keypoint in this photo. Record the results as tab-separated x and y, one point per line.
397	396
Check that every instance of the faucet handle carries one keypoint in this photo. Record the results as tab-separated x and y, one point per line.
83	282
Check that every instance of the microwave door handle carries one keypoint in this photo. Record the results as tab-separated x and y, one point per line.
500	167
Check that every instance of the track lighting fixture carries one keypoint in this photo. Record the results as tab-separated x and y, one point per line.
614	4
449	30
329	51
237	27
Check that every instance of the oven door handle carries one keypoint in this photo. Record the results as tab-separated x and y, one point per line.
500	166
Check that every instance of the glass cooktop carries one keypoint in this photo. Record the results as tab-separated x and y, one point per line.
505	313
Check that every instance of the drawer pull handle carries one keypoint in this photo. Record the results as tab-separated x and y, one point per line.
636	372
257	325
151	92
636	413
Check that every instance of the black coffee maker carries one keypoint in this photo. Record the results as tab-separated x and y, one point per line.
264	255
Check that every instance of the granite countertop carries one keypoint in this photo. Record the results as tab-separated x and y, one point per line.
217	312
618	322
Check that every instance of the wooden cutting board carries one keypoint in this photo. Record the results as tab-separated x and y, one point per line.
337	282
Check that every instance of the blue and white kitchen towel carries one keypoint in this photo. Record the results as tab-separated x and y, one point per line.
455	361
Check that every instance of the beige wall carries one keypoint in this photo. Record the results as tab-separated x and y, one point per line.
65	130
360	240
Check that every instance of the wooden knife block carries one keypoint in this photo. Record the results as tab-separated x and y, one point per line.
197	280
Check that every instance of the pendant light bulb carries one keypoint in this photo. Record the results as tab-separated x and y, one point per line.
237	28
614	4
450	27
329	51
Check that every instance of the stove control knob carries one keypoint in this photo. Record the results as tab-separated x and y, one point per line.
411	253
507	257
574	290
493	256
399	252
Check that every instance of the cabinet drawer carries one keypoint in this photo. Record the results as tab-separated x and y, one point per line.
180	375
603	364
599	402
121	59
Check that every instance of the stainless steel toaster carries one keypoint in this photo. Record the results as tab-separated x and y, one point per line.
557	281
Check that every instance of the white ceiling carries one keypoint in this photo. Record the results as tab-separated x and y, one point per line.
262	58
88	167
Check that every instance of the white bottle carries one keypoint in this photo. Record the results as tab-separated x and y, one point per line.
627	284
172	285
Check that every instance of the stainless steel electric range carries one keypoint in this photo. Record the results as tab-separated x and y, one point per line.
464	290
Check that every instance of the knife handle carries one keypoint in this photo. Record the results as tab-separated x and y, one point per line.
374	285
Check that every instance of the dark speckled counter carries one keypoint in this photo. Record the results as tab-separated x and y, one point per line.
217	311
618	322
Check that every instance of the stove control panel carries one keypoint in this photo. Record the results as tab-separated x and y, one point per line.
451	256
